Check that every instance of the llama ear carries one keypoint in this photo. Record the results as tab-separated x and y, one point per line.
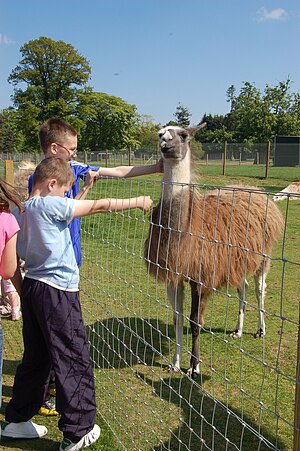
193	130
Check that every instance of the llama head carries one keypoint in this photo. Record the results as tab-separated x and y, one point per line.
174	141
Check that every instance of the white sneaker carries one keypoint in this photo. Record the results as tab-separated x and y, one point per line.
85	442
26	429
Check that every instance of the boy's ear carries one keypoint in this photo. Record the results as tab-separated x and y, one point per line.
51	184
53	149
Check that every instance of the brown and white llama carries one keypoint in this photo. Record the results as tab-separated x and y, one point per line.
209	241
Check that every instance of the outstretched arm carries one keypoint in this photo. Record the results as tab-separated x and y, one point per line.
91	207
130	171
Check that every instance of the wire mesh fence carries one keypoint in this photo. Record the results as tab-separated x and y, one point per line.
244	395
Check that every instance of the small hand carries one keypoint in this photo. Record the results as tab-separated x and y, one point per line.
91	177
145	203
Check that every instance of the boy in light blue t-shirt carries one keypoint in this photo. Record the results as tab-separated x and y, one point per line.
53	328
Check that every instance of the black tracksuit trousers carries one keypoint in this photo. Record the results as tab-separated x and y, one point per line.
54	336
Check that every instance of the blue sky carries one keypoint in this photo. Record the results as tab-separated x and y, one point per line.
157	53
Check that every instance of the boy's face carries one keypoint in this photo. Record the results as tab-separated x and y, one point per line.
65	148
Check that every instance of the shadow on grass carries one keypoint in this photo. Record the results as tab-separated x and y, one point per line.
29	445
205	423
122	342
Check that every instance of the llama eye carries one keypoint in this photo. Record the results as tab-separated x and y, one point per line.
183	136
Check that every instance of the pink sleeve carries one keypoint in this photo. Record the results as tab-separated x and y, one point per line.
8	228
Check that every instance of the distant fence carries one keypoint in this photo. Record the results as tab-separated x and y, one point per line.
212	153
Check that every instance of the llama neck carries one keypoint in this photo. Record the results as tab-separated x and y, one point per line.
177	176
175	197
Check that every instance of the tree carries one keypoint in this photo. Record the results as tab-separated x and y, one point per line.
182	116
252	118
146	135
259	117
11	139
284	105
109	122
230	94
52	70
53	73
215	130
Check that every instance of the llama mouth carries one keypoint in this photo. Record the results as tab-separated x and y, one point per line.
166	150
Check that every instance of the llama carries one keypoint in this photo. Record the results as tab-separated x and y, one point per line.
208	241
291	192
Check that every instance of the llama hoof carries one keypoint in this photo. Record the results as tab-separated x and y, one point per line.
192	373
236	334
172	369
260	333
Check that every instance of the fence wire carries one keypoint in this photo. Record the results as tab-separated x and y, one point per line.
244	395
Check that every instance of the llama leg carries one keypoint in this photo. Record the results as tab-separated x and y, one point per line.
260	290
242	292
196	322
176	295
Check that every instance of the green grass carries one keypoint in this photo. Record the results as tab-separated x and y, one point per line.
129	324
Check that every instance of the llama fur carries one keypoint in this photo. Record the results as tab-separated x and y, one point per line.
210	241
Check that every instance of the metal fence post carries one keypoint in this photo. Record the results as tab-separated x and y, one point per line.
224	157
268	158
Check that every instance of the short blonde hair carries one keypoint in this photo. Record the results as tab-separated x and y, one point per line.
53	168
54	130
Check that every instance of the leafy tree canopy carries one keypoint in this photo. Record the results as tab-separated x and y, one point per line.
255	116
47	82
109	122
146	135
10	138
51	71
258	117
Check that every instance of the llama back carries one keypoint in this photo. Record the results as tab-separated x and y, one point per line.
213	232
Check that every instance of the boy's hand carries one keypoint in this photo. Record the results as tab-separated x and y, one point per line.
88	184
91	177
144	203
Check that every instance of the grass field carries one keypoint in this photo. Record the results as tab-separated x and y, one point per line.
245	385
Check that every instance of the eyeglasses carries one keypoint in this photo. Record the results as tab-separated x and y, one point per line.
70	151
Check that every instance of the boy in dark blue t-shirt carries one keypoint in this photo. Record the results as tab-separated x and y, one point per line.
58	138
